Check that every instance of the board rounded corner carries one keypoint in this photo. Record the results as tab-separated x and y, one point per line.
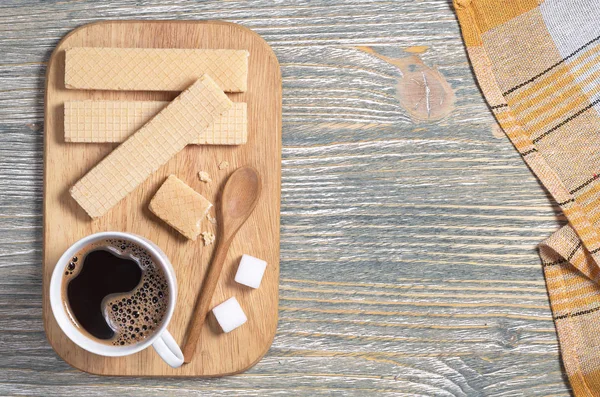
60	352
260	39
260	354
60	46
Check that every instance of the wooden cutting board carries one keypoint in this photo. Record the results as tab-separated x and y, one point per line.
65	222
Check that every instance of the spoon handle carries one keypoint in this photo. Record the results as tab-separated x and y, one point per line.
204	300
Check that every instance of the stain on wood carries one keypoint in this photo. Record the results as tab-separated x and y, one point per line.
422	91
497	131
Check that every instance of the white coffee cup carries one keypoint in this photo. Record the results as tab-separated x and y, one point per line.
161	339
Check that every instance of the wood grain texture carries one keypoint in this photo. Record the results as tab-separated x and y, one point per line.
408	260
65	221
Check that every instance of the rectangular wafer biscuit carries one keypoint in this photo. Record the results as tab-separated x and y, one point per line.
153	145
180	206
154	69
115	121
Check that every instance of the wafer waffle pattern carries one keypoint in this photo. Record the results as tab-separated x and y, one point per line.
229	129
153	145
180	206
154	69
115	121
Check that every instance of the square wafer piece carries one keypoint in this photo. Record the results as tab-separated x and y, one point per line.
126	167
115	121
154	69
180	206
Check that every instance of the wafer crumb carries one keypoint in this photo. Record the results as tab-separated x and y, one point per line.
204	177
208	237
223	165
211	219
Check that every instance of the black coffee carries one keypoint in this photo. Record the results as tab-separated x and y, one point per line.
115	292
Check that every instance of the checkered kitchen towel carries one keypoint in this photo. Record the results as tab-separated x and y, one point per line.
538	65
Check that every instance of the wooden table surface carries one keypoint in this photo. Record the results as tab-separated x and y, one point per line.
409	224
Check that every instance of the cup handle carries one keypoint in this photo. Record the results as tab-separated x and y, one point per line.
168	349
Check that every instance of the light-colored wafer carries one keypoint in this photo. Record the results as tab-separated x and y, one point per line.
115	121
154	69
153	145
180	206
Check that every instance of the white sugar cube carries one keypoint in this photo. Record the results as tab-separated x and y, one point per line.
250	271
230	315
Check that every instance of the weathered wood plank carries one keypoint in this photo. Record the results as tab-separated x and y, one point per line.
408	258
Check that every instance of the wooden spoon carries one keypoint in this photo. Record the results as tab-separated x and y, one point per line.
240	195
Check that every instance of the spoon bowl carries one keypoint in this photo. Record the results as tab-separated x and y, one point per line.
240	196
